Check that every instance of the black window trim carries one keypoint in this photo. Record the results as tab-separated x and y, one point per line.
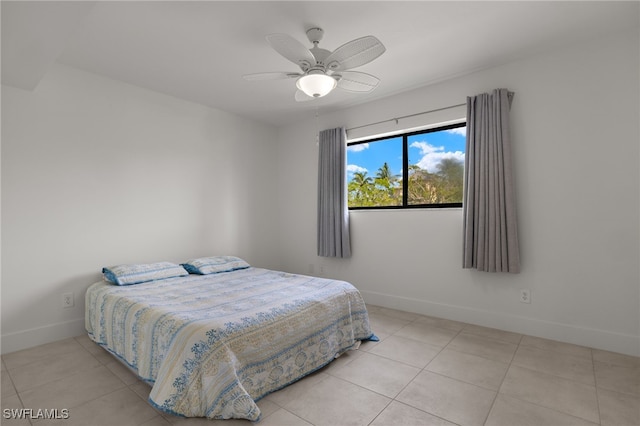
405	168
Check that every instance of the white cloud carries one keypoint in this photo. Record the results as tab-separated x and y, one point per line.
433	155
352	168
458	131
358	147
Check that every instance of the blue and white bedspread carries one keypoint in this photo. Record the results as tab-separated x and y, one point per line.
212	345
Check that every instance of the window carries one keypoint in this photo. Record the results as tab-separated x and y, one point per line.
418	169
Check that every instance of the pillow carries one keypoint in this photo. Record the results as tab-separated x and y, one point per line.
214	265
136	274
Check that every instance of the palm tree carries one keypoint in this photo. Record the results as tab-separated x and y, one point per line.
384	177
360	188
384	172
386	185
361	179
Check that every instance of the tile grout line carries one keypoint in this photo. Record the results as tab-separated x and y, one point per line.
542	406
413	379
595	383
423	369
461	331
495	398
75	372
17	393
124	385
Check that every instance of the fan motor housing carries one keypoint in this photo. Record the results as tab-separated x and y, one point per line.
320	55
315	34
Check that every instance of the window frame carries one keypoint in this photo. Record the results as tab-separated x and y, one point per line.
405	167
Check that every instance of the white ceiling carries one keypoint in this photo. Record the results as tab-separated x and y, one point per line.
199	50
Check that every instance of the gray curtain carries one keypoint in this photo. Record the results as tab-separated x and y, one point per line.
333	212
489	212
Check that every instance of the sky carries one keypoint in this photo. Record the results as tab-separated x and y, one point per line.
425	150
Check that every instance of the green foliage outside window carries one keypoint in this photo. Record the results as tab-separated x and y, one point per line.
440	186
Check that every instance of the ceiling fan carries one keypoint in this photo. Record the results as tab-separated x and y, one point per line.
322	70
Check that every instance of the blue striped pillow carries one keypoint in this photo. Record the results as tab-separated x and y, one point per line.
214	265
140	273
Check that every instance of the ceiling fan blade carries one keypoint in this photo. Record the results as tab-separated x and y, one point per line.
302	97
354	81
355	53
270	76
292	49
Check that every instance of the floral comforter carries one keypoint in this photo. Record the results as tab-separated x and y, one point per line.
212	345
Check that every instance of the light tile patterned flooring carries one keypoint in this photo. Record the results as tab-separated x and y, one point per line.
424	371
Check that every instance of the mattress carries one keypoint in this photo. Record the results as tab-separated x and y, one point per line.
212	345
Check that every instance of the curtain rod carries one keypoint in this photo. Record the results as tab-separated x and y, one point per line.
406	116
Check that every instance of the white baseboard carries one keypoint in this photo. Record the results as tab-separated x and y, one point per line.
25	339
599	339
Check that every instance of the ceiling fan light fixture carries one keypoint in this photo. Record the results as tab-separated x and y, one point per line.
318	65
316	85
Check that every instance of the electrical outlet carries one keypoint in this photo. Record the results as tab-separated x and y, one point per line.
525	296
67	300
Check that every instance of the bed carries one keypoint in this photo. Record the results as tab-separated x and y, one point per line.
211	345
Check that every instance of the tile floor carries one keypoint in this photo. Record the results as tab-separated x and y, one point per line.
424	371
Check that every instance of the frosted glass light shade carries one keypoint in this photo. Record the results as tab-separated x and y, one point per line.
316	85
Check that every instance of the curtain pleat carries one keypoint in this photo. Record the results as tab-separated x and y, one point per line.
333	211
489	211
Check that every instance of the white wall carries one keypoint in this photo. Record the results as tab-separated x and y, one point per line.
576	152
96	172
